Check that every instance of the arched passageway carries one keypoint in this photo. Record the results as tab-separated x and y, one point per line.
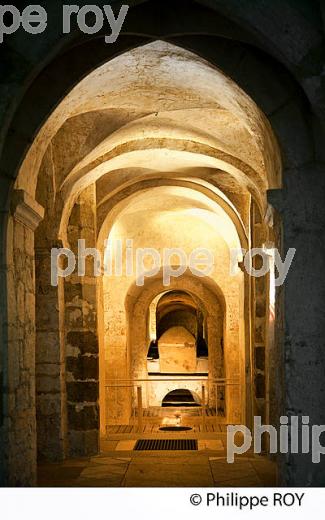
154	179
181	397
166	155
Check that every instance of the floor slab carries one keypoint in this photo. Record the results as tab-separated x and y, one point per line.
202	468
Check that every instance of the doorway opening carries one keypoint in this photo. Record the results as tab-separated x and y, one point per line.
179	398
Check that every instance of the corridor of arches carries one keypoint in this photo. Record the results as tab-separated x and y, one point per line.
153	148
125	167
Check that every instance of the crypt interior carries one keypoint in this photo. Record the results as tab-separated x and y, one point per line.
157	146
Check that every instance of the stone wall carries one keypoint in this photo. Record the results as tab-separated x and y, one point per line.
18	369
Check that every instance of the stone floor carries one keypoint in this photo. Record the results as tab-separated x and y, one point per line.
119	466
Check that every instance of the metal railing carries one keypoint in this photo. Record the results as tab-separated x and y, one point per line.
210	392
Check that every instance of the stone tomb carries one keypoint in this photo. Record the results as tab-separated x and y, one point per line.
177	351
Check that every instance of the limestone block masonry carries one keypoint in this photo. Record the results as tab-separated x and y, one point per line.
19	365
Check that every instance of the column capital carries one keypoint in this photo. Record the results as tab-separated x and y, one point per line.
26	210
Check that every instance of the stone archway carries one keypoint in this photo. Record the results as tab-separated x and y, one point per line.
217	315
298	158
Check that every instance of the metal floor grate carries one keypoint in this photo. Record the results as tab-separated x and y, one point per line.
165	444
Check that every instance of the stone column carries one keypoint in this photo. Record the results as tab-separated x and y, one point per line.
50	359
216	358
248	403
233	349
259	321
82	352
18	428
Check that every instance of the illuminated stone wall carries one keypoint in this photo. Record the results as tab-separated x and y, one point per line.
115	131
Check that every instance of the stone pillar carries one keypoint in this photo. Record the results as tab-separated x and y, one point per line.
216	359
18	424
50	360
82	352
234	354
276	360
259	292
301	205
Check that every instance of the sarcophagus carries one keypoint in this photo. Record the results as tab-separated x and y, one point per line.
177	351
